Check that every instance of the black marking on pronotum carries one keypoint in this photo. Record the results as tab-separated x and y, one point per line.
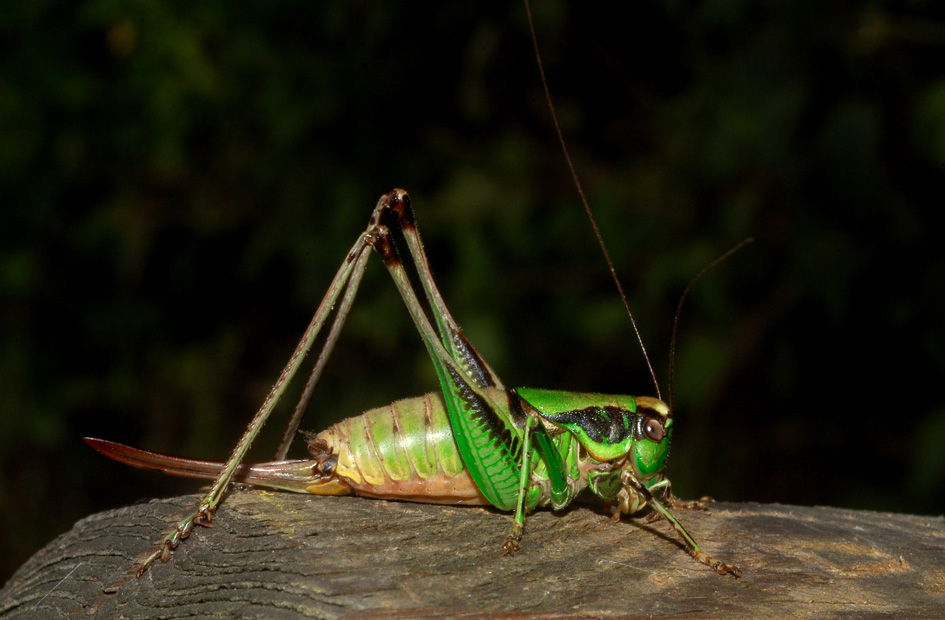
600	423
481	412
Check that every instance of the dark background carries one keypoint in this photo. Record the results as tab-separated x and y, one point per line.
181	180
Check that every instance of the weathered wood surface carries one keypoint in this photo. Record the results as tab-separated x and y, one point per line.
277	555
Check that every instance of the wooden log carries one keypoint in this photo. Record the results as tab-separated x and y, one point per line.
278	555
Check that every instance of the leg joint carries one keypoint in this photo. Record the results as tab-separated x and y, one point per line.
399	204
378	237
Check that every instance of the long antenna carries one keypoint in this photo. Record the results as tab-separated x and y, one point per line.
672	342
587	207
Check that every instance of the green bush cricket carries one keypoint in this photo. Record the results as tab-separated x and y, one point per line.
476	442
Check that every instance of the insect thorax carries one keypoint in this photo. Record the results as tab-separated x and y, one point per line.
611	436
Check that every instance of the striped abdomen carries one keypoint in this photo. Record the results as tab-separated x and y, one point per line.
403	451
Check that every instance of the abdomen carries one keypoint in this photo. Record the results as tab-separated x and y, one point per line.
402	451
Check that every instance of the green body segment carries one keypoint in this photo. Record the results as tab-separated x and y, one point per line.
414	431
405	450
550	402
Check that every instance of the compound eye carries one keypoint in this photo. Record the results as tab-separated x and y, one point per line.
653	430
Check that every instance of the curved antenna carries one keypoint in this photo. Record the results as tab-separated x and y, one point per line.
587	207
672	342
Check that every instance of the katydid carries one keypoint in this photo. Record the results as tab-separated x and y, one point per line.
476	442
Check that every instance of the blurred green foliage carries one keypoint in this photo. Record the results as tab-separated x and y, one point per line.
181	180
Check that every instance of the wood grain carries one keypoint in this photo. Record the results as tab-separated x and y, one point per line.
278	555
